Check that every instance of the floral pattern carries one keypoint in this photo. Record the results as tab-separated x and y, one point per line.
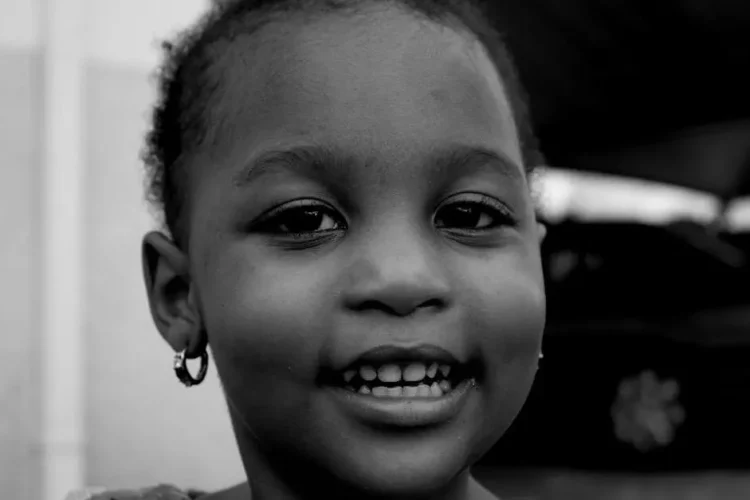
647	412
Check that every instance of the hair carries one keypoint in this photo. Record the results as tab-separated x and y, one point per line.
187	86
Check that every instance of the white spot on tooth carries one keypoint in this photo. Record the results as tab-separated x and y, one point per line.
445	386
414	372
368	373
349	375
432	370
445	370
389	373
364	390
435	390
423	390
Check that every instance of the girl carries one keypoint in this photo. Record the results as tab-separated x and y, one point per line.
349	227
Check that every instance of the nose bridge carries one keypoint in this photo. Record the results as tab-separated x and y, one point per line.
397	269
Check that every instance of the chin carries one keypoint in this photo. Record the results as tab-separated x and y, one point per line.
409	468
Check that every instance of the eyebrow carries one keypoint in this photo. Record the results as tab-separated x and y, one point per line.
322	162
316	161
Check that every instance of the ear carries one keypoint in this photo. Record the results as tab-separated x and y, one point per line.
171	295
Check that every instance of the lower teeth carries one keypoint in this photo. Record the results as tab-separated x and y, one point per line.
435	390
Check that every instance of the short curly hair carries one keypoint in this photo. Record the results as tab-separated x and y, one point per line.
187	87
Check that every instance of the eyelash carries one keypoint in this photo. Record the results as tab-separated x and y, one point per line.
274	219
501	215
270	222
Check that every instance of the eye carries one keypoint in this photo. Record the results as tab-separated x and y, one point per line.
473	215
301	219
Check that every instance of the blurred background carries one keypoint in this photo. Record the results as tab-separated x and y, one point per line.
83	372
642	392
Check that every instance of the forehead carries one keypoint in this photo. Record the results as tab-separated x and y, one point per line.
383	81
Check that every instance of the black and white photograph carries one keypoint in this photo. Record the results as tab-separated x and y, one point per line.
526	274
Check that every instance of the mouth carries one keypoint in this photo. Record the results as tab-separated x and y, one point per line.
407	380
393	372
393	387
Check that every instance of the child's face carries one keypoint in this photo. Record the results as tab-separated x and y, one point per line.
399	240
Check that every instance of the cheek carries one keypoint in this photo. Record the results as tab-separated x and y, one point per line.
507	316
509	310
265	323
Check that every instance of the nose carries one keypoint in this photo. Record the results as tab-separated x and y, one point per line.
399	273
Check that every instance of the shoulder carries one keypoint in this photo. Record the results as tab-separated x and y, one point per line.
161	492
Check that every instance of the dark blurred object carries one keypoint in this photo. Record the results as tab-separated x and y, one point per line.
645	351
621	270
637	403
614	75
648	327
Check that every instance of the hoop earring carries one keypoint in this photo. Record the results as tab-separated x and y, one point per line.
182	372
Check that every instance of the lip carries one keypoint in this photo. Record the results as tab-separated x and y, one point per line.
383	354
404	412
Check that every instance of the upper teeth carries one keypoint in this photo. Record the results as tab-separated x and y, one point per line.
414	372
391	373
368	373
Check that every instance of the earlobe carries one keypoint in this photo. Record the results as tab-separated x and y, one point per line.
171	294
541	231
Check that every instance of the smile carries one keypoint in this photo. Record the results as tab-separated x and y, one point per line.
397	387
407	380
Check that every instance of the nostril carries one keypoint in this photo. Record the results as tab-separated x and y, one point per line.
370	304
433	303
398	308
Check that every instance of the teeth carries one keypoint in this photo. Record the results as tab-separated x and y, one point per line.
410	391
435	390
380	391
414	372
368	373
395	392
389	373
392	373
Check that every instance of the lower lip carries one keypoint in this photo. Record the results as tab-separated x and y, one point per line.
404	412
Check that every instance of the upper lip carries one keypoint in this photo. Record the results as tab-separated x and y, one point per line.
384	354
